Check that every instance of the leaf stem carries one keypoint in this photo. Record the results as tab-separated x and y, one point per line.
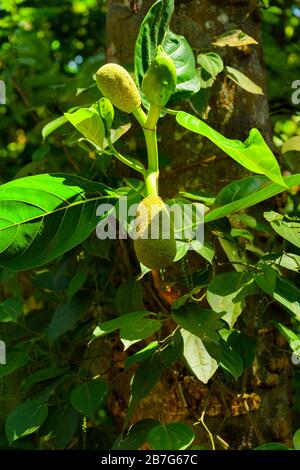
134	164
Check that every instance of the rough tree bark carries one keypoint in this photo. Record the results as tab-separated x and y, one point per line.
258	408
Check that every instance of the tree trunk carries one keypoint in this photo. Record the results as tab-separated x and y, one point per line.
257	409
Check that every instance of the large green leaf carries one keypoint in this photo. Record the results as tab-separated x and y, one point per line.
266	192
151	34
197	357
86	398
172	436
253	154
287	229
43	216
25	419
188	80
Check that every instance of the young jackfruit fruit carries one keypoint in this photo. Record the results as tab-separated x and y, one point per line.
116	84
160	80
154	245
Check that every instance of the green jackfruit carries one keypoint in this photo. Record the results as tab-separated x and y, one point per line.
160	80
116	84
155	245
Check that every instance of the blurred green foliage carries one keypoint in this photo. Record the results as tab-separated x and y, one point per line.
49	52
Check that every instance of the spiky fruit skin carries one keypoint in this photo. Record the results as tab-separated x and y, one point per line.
154	253
160	80
116	84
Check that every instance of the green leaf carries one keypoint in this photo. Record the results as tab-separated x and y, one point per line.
151	35
207	251
272	446
129	296
197	357
89	123
231	360
211	63
67	315
254	154
42	375
296	440
234	38
136	435
10	310
142	354
243	81
53	125
141	329
66	426
291	145
172	436
289	261
77	281
240	189
199	321
289	230
86	398
266	279
107	112
14	360
288	295
270	190
123	322
25	419
227	292
244	346
143	381
188	81
289	335
43	216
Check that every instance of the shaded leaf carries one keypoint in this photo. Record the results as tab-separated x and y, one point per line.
67	315
87	397
25	419
172	436
136	435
